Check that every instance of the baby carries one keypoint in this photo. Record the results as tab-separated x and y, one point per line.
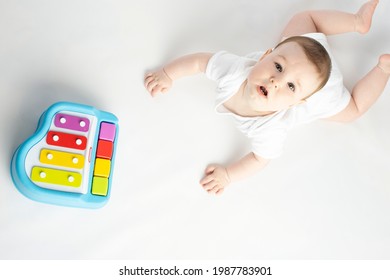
268	93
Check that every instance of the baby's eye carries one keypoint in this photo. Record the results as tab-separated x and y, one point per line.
278	67
291	86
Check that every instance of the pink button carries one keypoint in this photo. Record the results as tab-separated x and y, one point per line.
107	131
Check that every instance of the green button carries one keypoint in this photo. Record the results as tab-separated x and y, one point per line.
99	186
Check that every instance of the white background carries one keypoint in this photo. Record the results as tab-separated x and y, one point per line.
327	197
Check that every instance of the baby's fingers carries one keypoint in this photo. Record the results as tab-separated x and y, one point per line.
156	89
209	186
207	179
148	74
217	190
148	80
210	169
151	87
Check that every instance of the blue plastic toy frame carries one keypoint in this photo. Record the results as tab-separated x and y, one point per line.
24	184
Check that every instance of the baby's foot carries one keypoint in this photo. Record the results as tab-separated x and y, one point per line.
363	17
384	63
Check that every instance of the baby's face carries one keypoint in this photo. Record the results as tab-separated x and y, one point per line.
281	79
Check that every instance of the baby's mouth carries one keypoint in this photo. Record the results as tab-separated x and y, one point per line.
263	90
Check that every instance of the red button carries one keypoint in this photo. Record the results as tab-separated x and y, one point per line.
104	149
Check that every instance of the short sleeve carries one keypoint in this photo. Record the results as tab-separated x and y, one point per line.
220	65
269	144
229	71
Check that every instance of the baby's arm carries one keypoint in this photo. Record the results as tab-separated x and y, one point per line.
218	177
161	80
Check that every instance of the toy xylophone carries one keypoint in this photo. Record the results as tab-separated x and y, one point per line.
69	160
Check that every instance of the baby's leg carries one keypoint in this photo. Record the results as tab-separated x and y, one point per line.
366	91
332	22
371	86
363	17
384	63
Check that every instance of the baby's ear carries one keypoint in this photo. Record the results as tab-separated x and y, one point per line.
265	54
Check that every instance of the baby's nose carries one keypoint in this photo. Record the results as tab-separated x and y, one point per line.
274	82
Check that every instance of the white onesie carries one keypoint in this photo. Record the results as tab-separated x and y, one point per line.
268	133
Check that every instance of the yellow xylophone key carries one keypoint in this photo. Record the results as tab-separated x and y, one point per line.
63	159
55	176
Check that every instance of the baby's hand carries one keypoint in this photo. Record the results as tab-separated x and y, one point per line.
157	81
215	180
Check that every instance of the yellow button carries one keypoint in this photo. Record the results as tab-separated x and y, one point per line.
102	167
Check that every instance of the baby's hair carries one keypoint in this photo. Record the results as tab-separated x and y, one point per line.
316	54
